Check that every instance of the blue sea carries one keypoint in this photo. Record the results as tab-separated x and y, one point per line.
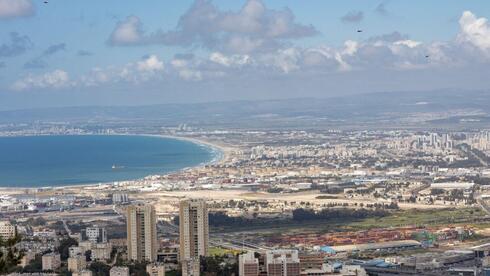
40	161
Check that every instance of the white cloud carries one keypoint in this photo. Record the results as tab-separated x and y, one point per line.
320	57
390	52
253	28
16	8
233	60
127	32
187	69
350	47
474	31
409	43
55	79
150	64
286	60
148	69
190	75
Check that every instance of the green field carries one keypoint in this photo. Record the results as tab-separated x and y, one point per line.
400	218
420	218
219	251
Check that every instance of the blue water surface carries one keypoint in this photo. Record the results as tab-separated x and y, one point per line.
39	161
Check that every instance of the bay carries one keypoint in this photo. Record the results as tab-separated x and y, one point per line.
40	161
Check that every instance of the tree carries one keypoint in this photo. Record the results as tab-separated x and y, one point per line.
99	269
39	221
63	249
10	256
218	266
138	269
35	265
436	191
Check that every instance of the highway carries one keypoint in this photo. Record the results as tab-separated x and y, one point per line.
218	240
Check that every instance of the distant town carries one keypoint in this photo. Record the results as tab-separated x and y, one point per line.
279	202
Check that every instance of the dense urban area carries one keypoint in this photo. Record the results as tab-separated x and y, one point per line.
277	202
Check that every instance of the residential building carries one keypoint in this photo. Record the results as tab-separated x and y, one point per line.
96	234
142	233
119	271
248	264
191	267
83	272
194	229
101	252
7	230
85	245
282	263
51	261
77	263
27	258
155	269
168	255
74	251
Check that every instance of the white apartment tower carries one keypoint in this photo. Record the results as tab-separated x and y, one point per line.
142	233
194	234
194	229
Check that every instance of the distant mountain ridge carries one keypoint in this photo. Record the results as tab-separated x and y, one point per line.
349	109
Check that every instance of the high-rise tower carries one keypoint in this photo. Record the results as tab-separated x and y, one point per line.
142	233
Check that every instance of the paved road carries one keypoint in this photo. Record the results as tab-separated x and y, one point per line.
483	203
67	229
468	150
217	239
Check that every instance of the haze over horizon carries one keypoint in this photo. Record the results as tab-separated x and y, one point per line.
124	53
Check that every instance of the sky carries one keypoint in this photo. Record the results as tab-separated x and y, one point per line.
129	52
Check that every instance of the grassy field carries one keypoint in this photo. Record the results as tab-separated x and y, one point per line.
420	218
400	218
218	251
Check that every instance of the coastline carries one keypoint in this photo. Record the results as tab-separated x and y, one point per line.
222	149
220	153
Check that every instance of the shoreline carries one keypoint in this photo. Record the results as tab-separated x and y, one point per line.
220	153
223	150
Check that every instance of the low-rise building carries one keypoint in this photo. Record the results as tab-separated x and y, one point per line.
85	245
119	271
101	252
74	251
191	267
96	234
168	255
248	264
27	258
51	261
155	269
83	272
282	263
7	230
77	263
